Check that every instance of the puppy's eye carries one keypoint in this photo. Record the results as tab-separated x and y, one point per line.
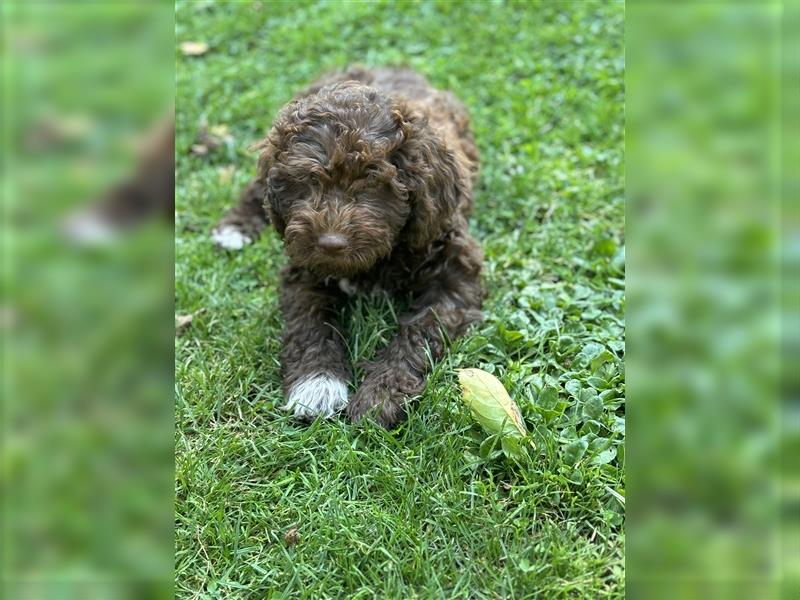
286	187
380	194
277	186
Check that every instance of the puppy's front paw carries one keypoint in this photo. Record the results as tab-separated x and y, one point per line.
377	398
320	395
230	237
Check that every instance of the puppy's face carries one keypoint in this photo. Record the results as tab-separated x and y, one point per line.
349	176
337	197
331	186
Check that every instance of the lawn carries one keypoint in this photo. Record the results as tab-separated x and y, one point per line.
267	507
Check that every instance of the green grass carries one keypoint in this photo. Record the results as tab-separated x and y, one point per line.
423	511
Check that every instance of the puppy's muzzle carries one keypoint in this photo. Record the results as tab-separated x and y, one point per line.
332	243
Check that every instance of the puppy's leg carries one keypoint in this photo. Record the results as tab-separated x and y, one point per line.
447	302
244	222
314	360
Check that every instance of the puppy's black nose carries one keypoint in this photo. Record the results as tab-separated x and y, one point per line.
332	242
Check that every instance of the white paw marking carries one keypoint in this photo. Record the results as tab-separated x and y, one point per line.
319	395
230	238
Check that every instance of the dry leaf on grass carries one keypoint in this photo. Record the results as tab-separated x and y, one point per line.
291	537
194	48
210	138
226	174
222	132
182	322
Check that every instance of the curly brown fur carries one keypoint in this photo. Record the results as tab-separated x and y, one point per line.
368	177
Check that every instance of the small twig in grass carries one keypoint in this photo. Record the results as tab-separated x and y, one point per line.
620	498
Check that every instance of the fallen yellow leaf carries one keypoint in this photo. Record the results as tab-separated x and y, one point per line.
226	174
494	409
194	48
490	403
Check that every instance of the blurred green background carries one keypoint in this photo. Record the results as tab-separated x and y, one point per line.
710	432
87	455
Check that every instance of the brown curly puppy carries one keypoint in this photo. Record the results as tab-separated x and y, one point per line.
368	177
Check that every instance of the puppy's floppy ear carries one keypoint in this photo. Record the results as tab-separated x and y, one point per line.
265	161
431	174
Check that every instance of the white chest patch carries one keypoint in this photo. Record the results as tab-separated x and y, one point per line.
320	395
348	287
230	238
351	289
